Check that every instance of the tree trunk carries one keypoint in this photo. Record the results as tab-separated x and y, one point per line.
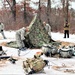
13	8
48	11
25	14
67	6
39	11
64	12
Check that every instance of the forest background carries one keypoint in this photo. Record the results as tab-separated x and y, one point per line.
18	13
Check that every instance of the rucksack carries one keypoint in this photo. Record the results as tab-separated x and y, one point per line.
36	64
65	53
49	50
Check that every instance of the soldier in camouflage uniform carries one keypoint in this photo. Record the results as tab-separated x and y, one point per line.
34	65
2	30
20	37
48	28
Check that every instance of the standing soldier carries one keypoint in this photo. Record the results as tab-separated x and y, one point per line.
48	28
66	30
20	37
2	30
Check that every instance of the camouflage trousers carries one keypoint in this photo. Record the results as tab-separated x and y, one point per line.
20	42
3	34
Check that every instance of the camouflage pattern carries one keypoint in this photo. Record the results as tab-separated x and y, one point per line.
36	64
48	29
2	30
20	36
26	66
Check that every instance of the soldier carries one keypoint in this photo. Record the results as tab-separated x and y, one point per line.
66	30
2	30
34	65
48	28
20	37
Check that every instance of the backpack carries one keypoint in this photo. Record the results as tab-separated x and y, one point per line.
49	50
36	64
65	53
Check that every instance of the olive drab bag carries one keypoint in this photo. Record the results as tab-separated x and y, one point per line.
35	64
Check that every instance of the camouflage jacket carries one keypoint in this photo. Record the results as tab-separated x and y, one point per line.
48	29
21	32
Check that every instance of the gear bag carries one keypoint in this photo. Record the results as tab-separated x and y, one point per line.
65	53
36	64
50	50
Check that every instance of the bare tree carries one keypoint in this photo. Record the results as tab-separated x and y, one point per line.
39	13
25	14
48	11
67	8
65	4
12	7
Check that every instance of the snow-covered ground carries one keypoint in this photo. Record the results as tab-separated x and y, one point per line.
7	68
59	36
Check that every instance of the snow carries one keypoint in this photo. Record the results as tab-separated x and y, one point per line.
7	68
10	35
60	36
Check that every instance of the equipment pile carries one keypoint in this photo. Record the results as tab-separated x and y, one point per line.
4	56
63	52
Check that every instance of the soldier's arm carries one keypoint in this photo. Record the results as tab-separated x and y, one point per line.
49	28
22	34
